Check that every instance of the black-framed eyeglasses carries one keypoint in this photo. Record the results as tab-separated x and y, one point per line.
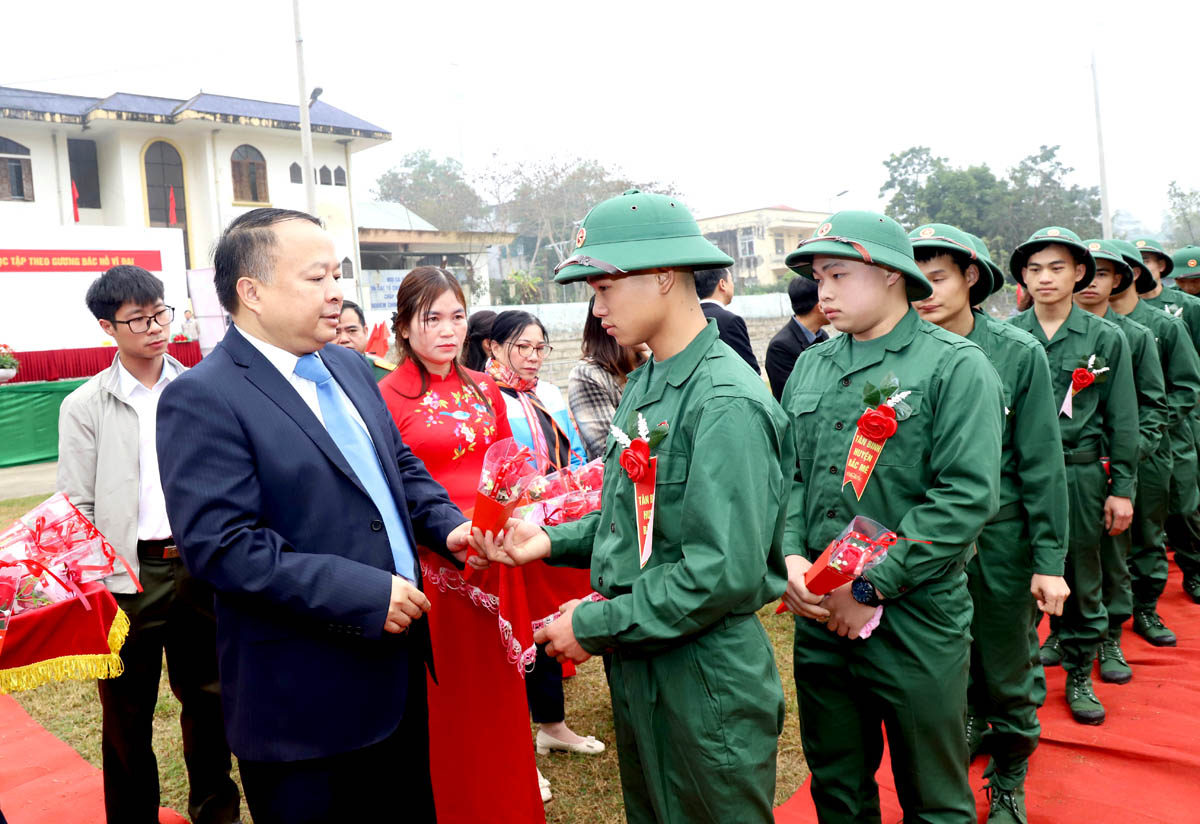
526	350
141	325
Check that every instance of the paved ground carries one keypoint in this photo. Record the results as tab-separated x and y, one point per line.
31	479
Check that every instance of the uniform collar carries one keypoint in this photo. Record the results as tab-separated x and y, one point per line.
676	369
855	355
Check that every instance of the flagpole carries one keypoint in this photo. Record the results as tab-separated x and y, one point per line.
1105	215
306	149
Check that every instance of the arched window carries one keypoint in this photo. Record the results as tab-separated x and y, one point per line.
339	176
249	175
347	269
16	173
325	177
296	173
166	197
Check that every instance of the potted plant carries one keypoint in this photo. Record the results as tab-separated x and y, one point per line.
8	363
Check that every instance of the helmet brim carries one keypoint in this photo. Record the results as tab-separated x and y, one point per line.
628	256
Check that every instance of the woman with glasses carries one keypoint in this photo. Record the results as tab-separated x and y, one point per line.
537	414
448	416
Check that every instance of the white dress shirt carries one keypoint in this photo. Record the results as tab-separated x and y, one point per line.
152	508
285	362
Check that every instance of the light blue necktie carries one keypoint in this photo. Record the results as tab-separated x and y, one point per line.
359	451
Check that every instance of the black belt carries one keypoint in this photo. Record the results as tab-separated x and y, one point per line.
1082	456
159	550
1008	512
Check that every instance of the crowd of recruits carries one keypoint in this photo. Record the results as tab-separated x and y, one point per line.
994	474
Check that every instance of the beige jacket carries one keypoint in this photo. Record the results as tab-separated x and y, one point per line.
98	466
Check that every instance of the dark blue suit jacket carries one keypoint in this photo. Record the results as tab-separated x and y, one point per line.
264	507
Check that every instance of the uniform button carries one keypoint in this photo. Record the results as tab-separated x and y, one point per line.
845	381
838	425
833	470
601	581
612	527
831	513
376	526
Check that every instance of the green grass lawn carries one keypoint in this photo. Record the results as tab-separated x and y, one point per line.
586	788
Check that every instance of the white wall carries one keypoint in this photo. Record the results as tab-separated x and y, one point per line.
46	310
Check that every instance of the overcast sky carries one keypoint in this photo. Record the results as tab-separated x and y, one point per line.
739	104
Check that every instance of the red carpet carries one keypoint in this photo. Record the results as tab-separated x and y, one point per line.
43	780
1142	765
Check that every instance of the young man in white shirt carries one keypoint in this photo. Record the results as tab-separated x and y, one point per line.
108	468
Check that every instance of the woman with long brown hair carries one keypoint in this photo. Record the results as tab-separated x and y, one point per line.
597	381
481	763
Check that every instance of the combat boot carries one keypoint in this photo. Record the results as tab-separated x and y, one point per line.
1081	698
1147	624
1051	654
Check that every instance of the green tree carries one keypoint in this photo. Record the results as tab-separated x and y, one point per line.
1183	216
437	190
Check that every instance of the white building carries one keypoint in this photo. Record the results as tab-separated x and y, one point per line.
130	156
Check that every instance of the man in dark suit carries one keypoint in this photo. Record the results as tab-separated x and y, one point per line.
799	333
289	490
714	287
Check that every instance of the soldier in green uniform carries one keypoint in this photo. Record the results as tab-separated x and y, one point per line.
1187	269
697	701
934	481
1093	383
1018	568
1181	375
1114	277
1183	520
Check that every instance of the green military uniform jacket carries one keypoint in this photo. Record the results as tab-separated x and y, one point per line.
937	478
1103	413
720	506
382	368
1147	382
1033	477
1177	356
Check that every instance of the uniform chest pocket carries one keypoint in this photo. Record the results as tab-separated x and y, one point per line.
910	445
1084	402
802	409
670	484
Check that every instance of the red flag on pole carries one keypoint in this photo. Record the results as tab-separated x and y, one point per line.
75	199
171	219
377	344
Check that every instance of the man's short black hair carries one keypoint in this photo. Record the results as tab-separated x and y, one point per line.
349	304
246	250
803	294
707	280
120	285
961	259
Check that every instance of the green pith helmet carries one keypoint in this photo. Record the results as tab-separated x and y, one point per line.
947	238
1144	281
1110	251
635	231
1045	237
867	236
997	272
1149	244
1187	262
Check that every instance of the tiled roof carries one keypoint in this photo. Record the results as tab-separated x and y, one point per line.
378	214
21	103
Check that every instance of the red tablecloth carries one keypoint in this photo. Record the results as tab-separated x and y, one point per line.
64	641
56	364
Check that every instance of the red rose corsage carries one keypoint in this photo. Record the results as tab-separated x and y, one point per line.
878	424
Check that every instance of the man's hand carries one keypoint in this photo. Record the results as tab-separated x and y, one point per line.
847	616
559	637
408	604
458	542
1118	514
518	543
796	597
1050	592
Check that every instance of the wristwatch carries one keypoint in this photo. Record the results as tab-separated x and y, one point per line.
864	592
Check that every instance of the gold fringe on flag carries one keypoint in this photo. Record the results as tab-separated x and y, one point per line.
71	667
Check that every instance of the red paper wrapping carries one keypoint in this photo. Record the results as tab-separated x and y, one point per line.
860	546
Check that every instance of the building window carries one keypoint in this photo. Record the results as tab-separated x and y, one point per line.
339	176
166	197
746	242
325	177
85	171
16	173
779	249
249	175
347	269
297	175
